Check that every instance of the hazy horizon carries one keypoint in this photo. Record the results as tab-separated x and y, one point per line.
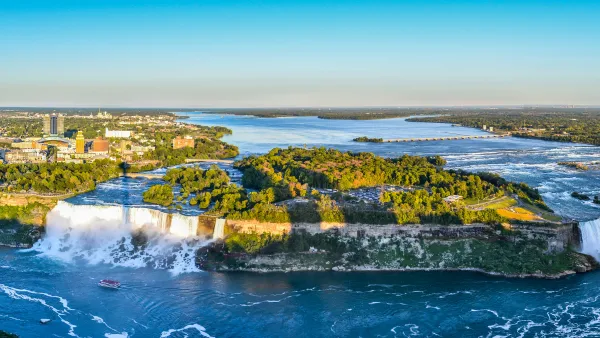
293	54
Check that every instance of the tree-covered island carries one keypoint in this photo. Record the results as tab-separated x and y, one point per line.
454	219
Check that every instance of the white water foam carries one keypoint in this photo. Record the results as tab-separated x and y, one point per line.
32	296
120	236
197	327
590	238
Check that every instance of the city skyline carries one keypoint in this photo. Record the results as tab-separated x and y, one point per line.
299	54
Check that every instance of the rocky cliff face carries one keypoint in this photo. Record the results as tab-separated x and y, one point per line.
515	251
20	235
557	237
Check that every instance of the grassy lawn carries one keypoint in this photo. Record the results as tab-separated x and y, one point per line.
502	204
518	214
545	214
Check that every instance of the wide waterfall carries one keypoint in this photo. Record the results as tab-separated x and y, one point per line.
121	236
590	238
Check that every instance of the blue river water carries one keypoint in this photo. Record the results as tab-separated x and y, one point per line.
159	303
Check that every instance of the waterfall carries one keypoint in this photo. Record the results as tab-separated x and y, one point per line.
119	236
184	226
140	217
219	231
590	238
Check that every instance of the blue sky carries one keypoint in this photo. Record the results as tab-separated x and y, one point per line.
298	53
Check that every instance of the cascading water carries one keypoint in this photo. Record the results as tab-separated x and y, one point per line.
219	231
131	237
183	226
142	216
590	238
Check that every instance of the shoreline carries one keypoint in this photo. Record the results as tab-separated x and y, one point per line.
556	276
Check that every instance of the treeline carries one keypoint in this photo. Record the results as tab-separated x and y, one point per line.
204	148
552	124
291	171
287	173
368	113
56	177
18	127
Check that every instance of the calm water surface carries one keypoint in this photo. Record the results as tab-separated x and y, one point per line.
156	303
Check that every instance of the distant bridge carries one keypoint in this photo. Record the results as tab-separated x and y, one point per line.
446	138
195	160
143	175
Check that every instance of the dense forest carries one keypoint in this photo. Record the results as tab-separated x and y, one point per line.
161	194
54	178
563	125
283	174
205	148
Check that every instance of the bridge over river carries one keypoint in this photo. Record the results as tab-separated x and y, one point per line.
446	138
189	160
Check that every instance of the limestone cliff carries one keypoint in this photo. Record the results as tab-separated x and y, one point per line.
509	250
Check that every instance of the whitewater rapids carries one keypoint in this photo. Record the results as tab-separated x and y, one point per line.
121	236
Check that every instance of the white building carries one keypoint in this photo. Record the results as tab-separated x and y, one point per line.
117	133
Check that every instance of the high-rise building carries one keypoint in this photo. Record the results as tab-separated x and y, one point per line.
54	125
80	143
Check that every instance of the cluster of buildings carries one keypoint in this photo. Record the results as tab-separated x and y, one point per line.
486	128
54	146
35	150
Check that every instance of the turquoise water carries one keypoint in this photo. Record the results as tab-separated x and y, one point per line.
152	303
157	303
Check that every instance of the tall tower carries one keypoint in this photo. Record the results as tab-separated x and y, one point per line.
54	125
60	125
46	124
80	143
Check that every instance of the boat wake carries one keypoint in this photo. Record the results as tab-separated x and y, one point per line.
120	236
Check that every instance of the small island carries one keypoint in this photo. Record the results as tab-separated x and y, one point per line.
575	165
367	139
580	196
322	209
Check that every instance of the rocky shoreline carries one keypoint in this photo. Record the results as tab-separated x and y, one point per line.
587	264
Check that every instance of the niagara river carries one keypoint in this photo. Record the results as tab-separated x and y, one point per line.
163	293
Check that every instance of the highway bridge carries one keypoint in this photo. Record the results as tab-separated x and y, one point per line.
189	160
446	138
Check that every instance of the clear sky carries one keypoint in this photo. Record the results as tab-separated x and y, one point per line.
178	53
